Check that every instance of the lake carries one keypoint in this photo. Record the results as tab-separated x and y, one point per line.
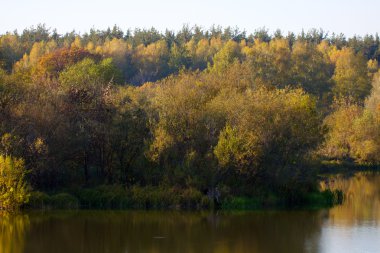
351	227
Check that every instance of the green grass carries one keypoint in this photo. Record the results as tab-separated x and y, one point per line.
118	197
325	198
241	203
41	200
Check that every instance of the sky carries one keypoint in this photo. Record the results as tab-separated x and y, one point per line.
351	17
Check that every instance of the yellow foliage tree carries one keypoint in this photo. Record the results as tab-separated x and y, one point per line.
351	76
14	191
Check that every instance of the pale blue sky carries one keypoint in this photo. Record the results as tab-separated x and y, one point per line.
347	16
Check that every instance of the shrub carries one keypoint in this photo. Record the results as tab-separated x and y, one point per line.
14	191
153	197
105	197
64	201
240	203
39	200
191	198
325	198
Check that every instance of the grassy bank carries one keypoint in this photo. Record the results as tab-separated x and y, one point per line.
312	200
117	197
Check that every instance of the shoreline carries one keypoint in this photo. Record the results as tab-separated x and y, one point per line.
180	202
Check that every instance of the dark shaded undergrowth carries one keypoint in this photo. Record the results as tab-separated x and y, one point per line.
158	198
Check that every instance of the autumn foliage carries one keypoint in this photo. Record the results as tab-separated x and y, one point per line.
195	110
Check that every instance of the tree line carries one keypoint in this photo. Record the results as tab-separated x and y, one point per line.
197	109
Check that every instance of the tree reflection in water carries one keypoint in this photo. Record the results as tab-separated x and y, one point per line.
12	232
198	232
361	198
133	231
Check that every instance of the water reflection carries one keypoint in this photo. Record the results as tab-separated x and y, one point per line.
12	232
352	227
162	232
361	199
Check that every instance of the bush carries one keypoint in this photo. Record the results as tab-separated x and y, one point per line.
38	200
14	191
240	203
137	197
154	197
191	199
64	201
325	198
150	197
41	200
105	197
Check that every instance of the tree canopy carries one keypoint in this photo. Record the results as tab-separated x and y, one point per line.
196	109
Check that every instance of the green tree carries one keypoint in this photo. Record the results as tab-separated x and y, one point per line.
86	89
310	70
89	72
227	55
179	58
128	133
237	150
181	132
267	133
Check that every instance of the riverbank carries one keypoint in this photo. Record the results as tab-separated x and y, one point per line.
345	167
157	198
172	231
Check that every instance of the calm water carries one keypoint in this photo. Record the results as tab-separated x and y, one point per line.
352	227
